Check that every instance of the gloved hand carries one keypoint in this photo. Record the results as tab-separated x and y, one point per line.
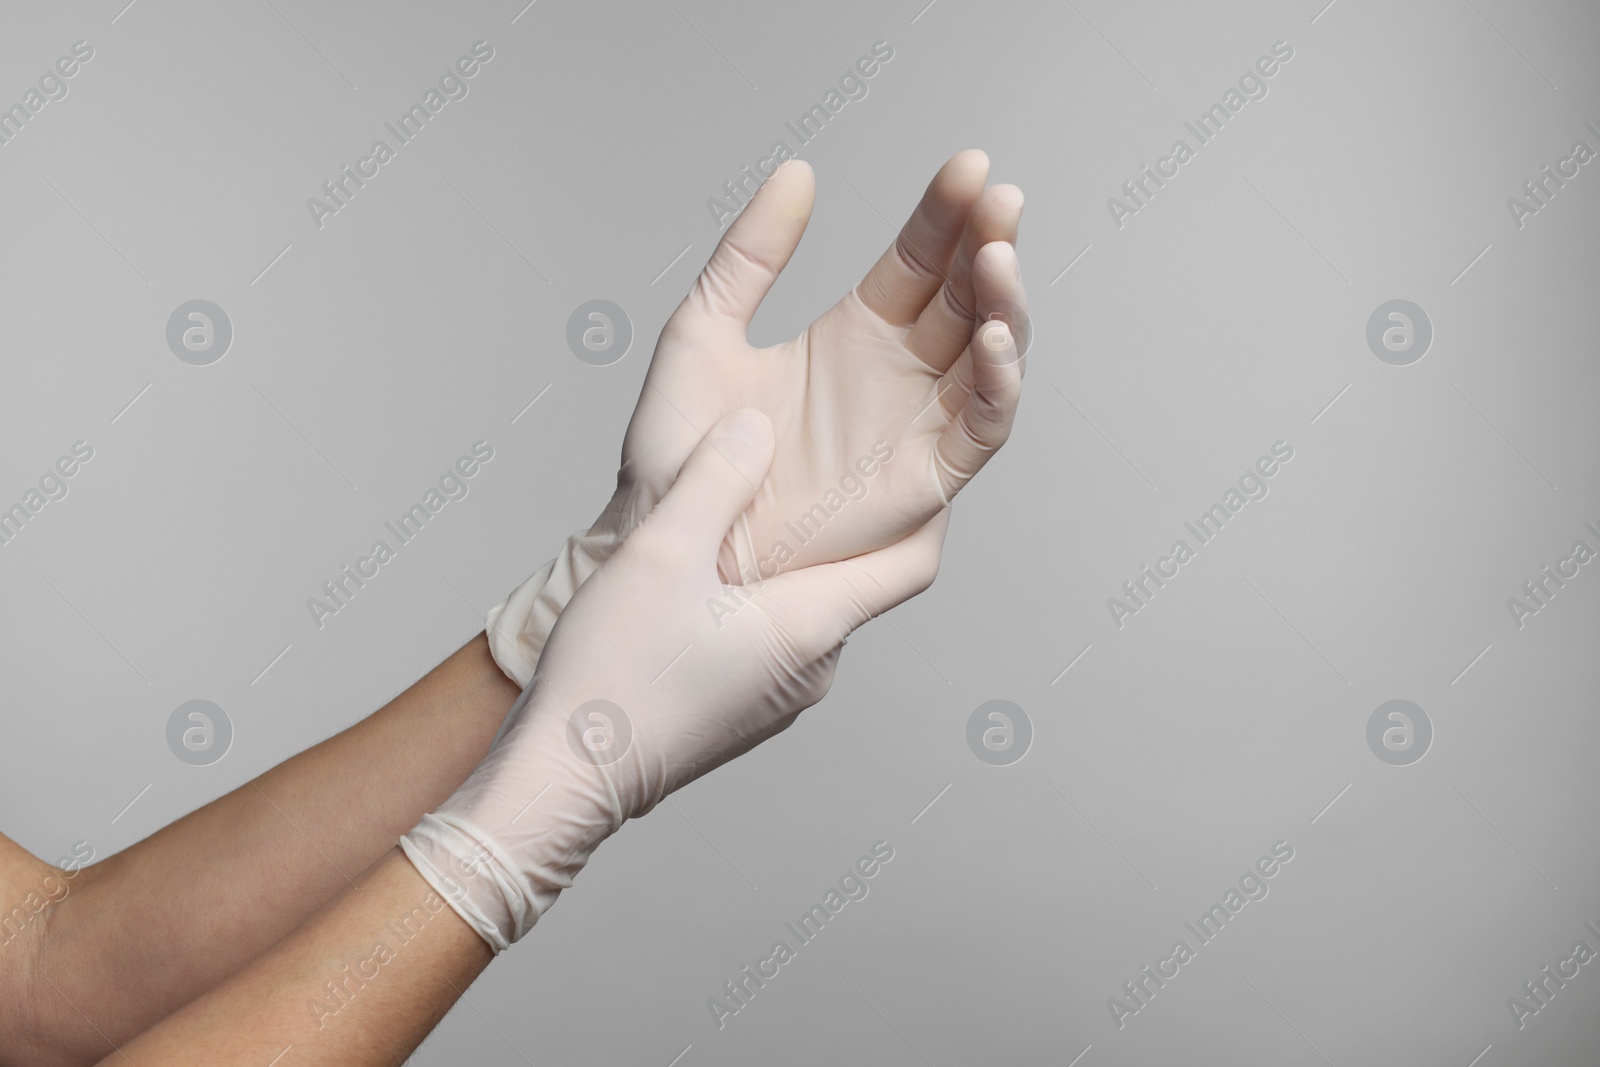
883	409
640	689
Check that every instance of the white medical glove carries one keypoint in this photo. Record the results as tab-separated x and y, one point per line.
518	626
883	409
642	687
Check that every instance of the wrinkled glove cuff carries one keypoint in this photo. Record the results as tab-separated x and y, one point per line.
519	626
499	903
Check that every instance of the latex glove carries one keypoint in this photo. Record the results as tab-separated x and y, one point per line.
891	380
679	690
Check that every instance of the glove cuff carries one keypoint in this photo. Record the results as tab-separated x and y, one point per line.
519	626
461	863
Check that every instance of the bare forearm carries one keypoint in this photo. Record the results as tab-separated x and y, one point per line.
148	930
360	985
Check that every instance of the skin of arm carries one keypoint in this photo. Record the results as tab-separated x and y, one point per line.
146	931
151	928
362	982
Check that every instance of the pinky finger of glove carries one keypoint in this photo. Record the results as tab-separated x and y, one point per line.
983	423
999	294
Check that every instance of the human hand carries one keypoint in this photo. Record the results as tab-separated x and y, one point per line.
883	408
642	688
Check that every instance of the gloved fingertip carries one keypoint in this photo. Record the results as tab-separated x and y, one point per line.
746	434
997	258
1010	196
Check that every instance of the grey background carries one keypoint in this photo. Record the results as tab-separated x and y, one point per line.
1225	316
